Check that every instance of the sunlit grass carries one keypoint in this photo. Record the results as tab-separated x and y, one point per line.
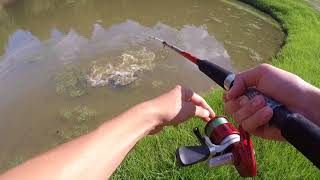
153	157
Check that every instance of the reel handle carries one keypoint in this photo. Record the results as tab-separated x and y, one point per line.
189	155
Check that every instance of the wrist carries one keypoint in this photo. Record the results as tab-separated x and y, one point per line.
151	113
138	121
311	104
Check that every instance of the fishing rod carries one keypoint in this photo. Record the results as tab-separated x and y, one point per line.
300	132
219	75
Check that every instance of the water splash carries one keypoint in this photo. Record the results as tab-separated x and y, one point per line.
125	73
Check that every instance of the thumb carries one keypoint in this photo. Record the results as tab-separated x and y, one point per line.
242	81
202	113
237	89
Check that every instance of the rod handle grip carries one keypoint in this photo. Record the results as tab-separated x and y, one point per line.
302	133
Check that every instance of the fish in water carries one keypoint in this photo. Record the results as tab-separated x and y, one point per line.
132	63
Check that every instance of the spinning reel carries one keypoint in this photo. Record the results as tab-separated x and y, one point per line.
223	144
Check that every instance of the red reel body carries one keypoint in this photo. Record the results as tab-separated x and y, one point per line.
219	129
244	158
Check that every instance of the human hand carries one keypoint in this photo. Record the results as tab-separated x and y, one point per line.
253	115
178	105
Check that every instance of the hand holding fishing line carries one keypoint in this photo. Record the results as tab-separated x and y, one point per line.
179	105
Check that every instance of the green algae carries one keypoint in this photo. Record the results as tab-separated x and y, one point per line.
72	133
78	117
157	84
79	114
71	82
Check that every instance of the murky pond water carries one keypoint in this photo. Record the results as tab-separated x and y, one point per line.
66	66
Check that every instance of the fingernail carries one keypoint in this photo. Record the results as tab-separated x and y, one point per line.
267	112
206	113
256	102
243	100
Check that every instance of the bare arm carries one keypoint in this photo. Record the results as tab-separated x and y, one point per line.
97	154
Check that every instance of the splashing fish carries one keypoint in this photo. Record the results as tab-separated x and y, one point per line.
125	73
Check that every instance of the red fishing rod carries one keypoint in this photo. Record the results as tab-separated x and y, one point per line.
222	77
302	133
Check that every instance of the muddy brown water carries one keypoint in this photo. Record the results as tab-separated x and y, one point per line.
38	38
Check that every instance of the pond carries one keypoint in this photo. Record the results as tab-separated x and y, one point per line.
67	66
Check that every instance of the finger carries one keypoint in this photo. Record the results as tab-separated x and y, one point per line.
224	97
258	119
234	105
186	93
202	113
187	110
197	100
237	89
249	108
242	81
156	130
268	132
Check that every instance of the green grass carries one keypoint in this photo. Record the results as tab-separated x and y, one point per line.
153	157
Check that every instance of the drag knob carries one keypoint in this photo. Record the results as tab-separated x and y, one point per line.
189	155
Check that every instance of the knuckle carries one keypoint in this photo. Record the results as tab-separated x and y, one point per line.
238	78
295	78
264	67
246	126
260	97
262	100
230	107
251	110
235	117
178	87
257	103
242	100
246	111
227	109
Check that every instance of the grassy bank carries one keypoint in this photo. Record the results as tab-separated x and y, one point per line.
153	158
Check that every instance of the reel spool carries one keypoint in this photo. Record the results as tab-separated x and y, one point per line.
223	144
